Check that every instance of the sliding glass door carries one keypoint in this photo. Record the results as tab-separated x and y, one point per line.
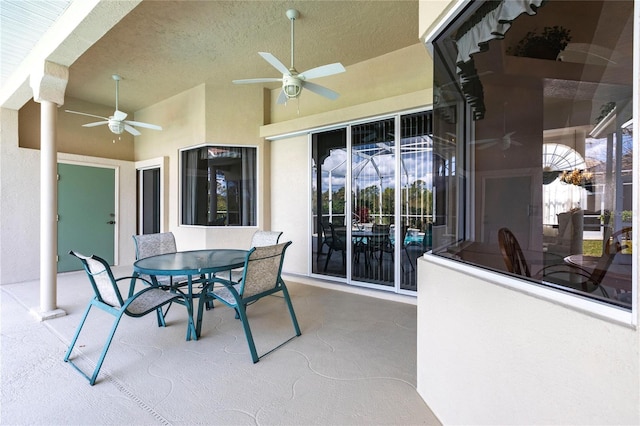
371	209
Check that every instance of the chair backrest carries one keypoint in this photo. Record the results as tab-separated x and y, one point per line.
148	245
512	253
325	228
338	238
102	279
380	234
262	269
265	238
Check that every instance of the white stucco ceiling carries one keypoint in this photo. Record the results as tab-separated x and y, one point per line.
162	48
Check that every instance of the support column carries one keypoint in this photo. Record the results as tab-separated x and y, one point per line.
48	83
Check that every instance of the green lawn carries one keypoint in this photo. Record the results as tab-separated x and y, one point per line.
592	247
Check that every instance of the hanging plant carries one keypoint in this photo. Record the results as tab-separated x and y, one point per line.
547	45
579	178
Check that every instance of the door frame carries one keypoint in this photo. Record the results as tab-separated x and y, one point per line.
153	163
116	201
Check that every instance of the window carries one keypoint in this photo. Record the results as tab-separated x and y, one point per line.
371	200
533	133
219	186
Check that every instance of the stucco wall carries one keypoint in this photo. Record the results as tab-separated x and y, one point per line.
397	73
198	116
20	203
493	351
290	201
488	354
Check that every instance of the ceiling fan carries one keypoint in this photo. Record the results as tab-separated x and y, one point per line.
292	81
117	123
505	142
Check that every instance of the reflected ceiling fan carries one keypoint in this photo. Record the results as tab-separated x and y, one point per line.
505	142
292	81
117	123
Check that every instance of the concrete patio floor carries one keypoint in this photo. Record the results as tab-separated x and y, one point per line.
355	363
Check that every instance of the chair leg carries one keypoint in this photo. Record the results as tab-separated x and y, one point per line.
204	300
326	262
103	354
242	312
409	257
105	349
75	337
292	313
161	315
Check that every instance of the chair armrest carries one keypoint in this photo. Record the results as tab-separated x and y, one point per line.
134	279
211	282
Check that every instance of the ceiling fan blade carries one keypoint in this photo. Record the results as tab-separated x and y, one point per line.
84	113
98	123
322	71
275	62
119	115
282	98
486	145
483	141
320	90
145	125
256	80
131	130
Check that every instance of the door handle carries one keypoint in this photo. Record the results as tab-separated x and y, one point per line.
111	222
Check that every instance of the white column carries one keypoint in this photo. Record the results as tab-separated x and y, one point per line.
48	82
48	207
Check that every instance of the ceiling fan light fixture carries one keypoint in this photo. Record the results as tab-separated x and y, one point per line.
291	87
116	127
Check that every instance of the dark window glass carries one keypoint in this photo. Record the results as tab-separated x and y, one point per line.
219	186
533	143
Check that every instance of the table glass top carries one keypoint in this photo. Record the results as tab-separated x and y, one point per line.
191	262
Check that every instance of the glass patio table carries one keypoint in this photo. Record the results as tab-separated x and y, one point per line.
201	263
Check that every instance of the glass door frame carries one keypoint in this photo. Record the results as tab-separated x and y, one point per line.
348	279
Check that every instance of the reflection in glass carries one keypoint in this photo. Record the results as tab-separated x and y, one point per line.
328	202
540	144
390	200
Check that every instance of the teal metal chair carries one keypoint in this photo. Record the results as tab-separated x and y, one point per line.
259	239
261	277
109	299
337	243
148	245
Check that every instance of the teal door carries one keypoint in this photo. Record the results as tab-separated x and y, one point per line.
86	213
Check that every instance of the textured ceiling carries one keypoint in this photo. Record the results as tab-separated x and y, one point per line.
162	48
